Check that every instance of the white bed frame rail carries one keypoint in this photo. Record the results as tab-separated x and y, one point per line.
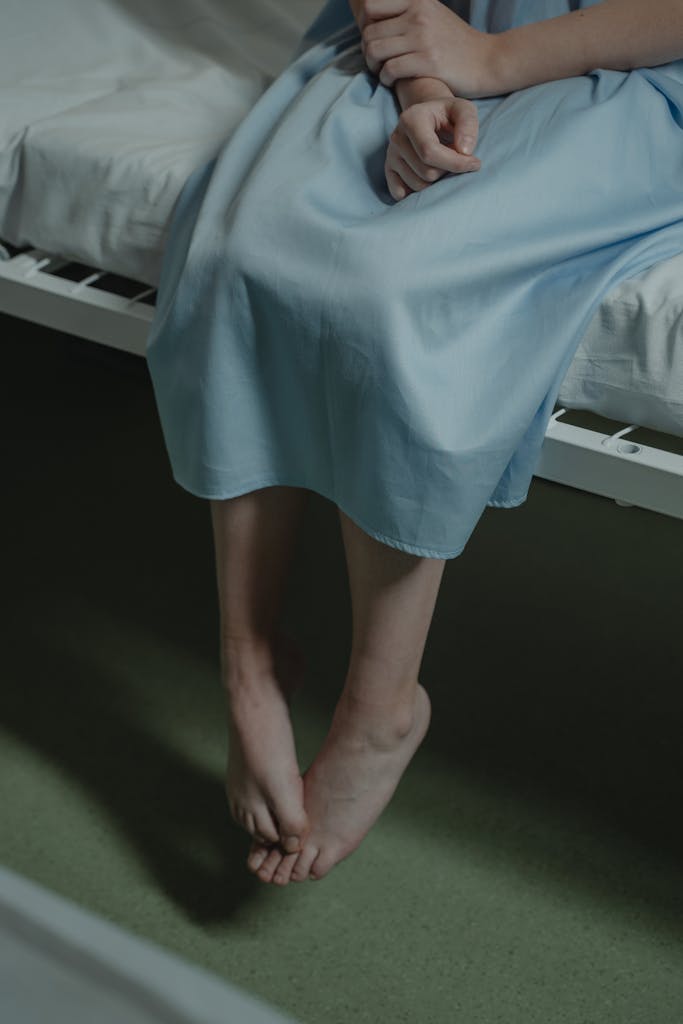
33	288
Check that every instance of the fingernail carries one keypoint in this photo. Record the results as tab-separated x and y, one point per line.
467	144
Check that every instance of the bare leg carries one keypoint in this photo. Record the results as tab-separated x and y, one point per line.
383	713
254	535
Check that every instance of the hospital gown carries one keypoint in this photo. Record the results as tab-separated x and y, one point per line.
403	358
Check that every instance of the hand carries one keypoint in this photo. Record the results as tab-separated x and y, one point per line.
416	156
423	38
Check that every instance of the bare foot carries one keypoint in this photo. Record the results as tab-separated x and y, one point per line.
349	784
263	783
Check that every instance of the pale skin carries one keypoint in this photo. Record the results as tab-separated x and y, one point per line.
303	826
382	715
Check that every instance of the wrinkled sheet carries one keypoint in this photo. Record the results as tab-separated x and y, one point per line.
106	106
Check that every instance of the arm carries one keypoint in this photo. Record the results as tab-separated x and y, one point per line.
617	34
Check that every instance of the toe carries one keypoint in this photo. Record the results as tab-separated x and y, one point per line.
294	826
284	871
257	855
302	867
326	860
292	844
265	826
269	866
322	864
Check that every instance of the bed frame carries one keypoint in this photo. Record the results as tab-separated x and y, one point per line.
116	311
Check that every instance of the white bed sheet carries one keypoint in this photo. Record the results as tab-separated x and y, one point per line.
107	106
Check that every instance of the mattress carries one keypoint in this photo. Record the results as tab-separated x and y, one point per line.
107	106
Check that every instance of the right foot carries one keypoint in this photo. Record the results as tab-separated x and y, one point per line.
263	783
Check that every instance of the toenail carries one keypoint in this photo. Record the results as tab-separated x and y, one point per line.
291	844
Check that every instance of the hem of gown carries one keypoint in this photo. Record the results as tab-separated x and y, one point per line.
257	485
510	503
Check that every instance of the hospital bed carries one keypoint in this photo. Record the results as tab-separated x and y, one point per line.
107	106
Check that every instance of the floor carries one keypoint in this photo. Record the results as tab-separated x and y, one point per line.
529	867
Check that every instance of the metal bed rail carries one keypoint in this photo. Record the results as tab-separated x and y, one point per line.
89	303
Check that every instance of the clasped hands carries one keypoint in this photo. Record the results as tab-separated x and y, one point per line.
425	39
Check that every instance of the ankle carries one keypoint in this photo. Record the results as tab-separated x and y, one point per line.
389	720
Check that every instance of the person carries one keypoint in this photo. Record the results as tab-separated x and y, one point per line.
352	304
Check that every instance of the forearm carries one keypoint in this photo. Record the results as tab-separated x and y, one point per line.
616	34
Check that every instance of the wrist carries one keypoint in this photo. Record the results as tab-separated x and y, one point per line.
543	51
504	64
494	66
418	90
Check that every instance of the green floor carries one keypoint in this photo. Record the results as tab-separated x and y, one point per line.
529	868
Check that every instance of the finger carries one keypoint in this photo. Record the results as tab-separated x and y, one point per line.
464	121
377	10
405	149
378	50
395	183
406	65
383	29
434	153
408	175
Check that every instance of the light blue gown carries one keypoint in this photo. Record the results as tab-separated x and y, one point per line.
403	358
